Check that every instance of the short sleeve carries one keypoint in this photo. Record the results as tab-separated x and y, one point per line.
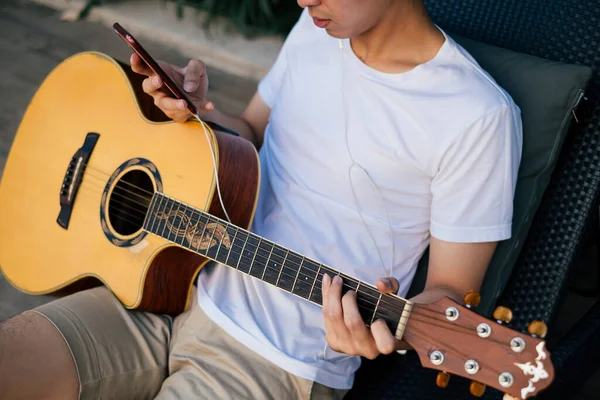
473	188
269	85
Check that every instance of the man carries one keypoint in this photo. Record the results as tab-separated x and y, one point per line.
378	136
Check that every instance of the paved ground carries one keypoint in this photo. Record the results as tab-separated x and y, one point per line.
33	41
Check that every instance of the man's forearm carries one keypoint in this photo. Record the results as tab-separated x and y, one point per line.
235	123
435	293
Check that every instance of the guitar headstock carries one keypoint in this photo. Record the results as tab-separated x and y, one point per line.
452	338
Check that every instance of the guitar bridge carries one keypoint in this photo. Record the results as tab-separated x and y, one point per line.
73	178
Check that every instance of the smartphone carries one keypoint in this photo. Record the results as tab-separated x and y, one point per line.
153	65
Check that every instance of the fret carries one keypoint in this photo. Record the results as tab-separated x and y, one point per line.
198	235
169	203
254	257
262	256
314	283
212	231
281	270
156	221
148	217
172	222
186	227
262	278
242	252
306	278
376	308
224	252
233	241
275	265
250	249
216	256
292	262
297	273
237	249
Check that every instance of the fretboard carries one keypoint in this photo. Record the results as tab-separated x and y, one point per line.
260	258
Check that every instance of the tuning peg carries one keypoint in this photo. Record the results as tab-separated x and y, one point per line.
442	379
503	315
477	389
538	328
471	299
509	397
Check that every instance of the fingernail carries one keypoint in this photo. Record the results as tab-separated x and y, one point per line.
156	81
181	105
326	279
210	106
337	279
189	86
386	281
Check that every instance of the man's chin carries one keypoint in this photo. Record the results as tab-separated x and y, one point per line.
337	34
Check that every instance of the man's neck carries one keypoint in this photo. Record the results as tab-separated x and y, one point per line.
405	38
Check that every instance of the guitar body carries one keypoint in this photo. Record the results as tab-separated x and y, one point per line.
55	237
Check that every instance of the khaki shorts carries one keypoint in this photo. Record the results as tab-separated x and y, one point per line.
124	354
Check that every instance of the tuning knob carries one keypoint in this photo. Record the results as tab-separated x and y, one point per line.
503	315
477	389
472	299
538	328
442	379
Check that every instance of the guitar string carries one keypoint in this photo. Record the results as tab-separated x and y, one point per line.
317	280
259	256
290	263
386	312
144	205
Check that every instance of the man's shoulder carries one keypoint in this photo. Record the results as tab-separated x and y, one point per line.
476	91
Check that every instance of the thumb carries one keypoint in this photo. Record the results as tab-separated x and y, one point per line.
388	285
194	73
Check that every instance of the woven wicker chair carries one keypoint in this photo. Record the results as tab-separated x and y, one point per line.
558	30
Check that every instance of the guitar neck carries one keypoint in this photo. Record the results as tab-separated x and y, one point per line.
260	258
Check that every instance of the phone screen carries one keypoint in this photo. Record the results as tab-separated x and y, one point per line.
153	65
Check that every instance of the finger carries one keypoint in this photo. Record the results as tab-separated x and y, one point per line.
178	116
195	72
384	340
388	285
337	334
151	84
167	103
359	333
206	105
138	66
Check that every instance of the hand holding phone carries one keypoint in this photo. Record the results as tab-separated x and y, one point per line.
175	102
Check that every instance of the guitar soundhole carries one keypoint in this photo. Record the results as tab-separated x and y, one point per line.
129	202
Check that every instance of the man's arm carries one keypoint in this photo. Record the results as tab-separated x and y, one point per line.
250	124
454	270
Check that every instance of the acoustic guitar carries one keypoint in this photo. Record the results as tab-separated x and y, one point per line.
94	192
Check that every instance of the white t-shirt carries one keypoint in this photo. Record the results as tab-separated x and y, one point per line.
359	168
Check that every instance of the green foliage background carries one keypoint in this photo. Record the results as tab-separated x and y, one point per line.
251	17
